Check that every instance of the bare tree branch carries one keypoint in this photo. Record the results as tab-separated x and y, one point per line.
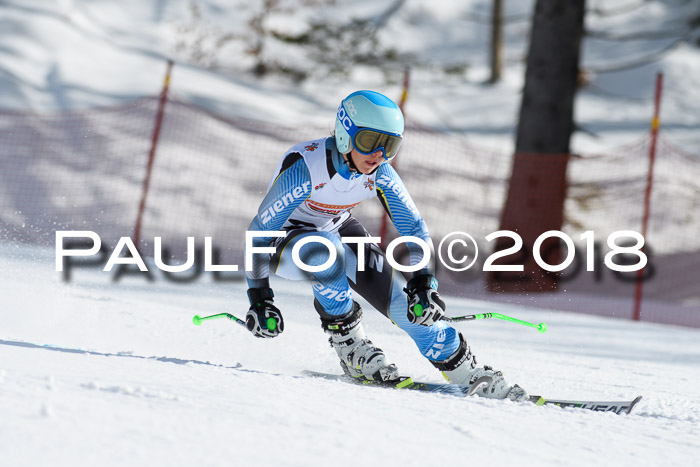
638	62
637	35
486	19
621	10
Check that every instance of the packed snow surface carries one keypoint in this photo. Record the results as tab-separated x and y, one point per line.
94	372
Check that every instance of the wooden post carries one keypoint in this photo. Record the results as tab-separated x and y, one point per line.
496	41
384	228
639	286
152	154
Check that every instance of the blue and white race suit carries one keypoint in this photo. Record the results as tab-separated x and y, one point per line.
312	193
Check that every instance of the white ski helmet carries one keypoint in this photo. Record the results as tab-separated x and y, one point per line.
369	121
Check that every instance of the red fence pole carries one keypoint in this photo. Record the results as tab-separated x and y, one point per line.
152	154
639	286
384	228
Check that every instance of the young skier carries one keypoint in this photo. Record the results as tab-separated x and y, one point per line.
313	190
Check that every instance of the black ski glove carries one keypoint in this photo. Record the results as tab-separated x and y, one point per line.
263	319
425	307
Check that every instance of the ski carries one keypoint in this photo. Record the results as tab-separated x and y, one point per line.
617	407
456	390
406	383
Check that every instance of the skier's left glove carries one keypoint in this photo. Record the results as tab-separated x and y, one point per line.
264	319
425	307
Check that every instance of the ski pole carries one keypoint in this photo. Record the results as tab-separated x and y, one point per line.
541	327
197	320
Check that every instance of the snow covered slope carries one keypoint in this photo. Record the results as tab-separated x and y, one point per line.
95	373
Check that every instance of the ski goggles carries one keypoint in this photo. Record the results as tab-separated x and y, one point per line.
368	141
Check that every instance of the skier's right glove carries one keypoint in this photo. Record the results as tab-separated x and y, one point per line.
264	319
425	307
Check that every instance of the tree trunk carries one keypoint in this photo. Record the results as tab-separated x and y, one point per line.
537	190
546	111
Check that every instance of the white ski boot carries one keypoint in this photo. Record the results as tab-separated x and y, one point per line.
460	368
359	358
